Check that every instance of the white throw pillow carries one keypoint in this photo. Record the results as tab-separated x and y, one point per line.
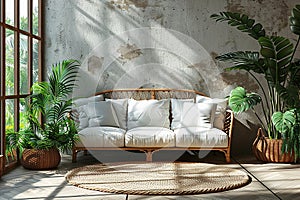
198	114
220	111
102	114
153	113
177	106
83	119
120	106
85	101
79	110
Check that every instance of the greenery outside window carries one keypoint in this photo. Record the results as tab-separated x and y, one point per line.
21	64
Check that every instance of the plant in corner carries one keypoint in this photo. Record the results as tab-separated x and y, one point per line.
50	127
279	101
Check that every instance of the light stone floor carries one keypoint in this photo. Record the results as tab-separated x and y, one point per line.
269	181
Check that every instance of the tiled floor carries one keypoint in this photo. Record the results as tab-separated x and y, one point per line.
269	181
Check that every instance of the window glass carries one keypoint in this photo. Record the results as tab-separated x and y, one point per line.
9	62
24	15
11	154
9	12
9	115
24	89
35	18
23	121
35	60
0	12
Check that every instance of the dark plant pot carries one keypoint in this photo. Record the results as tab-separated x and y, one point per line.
40	158
269	150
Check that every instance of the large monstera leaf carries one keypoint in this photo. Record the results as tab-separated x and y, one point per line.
243	60
295	20
242	22
240	101
283	122
277	52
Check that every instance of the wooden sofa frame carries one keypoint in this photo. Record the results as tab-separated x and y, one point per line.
153	93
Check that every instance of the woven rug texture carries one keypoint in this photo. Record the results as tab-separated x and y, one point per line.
157	178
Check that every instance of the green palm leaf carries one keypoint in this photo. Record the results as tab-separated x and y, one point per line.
295	20
240	101
243	60
63	77
59	111
242	22
40	88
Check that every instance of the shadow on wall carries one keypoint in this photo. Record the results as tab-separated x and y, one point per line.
243	137
141	53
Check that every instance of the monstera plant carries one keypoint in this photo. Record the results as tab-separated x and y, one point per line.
275	62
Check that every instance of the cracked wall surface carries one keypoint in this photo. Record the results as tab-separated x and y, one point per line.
156	43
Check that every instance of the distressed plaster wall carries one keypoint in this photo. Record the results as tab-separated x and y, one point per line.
158	43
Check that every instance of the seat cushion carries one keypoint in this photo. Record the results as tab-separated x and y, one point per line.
149	137
200	137
101	137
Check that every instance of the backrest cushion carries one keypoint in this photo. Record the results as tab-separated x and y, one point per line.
85	101
220	110
102	114
198	115
176	110
79	110
153	113
120	107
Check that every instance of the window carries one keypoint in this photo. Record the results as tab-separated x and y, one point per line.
20	65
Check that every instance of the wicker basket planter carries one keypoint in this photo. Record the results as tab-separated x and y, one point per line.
40	158
269	150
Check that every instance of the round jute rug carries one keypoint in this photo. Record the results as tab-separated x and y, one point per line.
157	178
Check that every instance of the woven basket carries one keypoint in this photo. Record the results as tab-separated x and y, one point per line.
269	150
40	158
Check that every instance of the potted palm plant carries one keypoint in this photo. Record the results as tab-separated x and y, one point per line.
279	138
50	127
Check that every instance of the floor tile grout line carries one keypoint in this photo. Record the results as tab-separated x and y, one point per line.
257	179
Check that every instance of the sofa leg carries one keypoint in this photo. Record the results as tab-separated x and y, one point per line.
227	156
149	156
74	156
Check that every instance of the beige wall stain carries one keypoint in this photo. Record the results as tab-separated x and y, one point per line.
129	52
95	64
126	4
240	79
272	14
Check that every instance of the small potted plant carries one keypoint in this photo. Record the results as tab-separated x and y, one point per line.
279	101
50	127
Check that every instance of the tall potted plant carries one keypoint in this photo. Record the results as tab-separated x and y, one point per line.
50	128
279	101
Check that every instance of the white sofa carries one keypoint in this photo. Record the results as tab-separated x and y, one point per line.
150	120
